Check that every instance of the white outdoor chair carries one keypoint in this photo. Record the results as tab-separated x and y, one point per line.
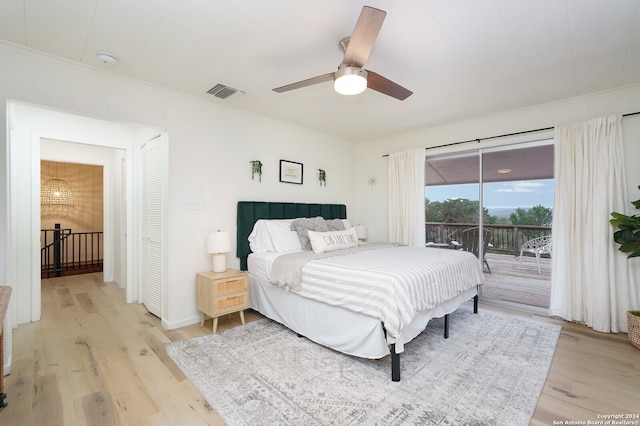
538	247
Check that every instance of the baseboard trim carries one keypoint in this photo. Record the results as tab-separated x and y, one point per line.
172	325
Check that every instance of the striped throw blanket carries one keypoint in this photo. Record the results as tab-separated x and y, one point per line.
390	283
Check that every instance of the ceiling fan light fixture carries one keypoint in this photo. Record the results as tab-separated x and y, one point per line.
350	81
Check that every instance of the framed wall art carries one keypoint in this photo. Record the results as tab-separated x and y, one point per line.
290	172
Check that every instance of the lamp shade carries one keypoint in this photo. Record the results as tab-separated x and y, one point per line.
56	192
361	232
218	242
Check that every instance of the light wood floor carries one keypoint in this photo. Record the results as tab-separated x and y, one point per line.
95	360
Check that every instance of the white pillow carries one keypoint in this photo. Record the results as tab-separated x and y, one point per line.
346	223
322	242
259	239
282	237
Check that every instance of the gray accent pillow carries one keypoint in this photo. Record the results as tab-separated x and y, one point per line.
303	226
334	225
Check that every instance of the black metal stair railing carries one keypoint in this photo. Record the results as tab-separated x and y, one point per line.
64	251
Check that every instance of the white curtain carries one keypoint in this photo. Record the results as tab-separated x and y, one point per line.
406	197
591	281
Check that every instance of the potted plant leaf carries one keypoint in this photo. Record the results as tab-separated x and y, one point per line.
256	169
628	236
322	177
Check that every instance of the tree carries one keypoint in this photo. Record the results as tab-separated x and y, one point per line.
456	210
432	211
535	216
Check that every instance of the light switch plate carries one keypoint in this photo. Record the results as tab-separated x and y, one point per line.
194	205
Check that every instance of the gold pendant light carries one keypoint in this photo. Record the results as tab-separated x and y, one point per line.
56	192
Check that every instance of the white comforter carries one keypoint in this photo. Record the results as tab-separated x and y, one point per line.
391	284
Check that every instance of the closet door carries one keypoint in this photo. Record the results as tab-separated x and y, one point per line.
152	270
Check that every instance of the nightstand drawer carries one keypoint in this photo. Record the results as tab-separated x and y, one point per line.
232	285
232	303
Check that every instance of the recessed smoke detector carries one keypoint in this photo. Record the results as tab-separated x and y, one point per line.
107	58
223	91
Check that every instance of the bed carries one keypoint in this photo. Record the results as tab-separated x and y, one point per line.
374	331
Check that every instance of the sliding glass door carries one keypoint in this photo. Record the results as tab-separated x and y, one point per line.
452	193
493	202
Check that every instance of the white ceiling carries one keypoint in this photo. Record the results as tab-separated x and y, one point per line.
462	58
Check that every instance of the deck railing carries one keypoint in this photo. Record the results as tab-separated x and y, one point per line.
65	251
505	239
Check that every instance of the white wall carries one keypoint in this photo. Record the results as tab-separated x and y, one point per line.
210	147
374	199
210	158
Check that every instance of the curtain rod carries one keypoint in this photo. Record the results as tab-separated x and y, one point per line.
506	134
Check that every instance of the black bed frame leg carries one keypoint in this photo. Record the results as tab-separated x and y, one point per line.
395	364
446	326
475	304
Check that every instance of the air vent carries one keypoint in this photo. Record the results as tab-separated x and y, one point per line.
221	91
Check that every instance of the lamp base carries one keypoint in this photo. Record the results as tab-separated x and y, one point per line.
219	262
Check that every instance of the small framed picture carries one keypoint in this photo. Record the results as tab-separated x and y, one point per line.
290	172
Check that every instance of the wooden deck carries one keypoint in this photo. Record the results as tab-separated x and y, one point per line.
507	282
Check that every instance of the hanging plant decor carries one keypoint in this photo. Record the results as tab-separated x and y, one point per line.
322	177
256	169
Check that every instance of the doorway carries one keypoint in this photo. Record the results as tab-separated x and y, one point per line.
72	218
31	134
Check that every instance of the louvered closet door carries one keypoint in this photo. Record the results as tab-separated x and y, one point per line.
152	271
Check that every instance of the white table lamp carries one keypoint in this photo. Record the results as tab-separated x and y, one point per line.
219	243
361	232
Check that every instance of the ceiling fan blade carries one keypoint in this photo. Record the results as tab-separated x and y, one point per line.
383	85
305	83
364	36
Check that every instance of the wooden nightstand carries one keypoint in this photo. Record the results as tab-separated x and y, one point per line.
220	293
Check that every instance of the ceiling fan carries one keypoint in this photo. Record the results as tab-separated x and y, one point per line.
351	78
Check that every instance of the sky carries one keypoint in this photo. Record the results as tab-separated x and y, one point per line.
524	194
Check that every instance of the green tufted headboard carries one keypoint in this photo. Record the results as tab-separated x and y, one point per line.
250	211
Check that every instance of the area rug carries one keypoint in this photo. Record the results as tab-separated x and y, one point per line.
490	371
